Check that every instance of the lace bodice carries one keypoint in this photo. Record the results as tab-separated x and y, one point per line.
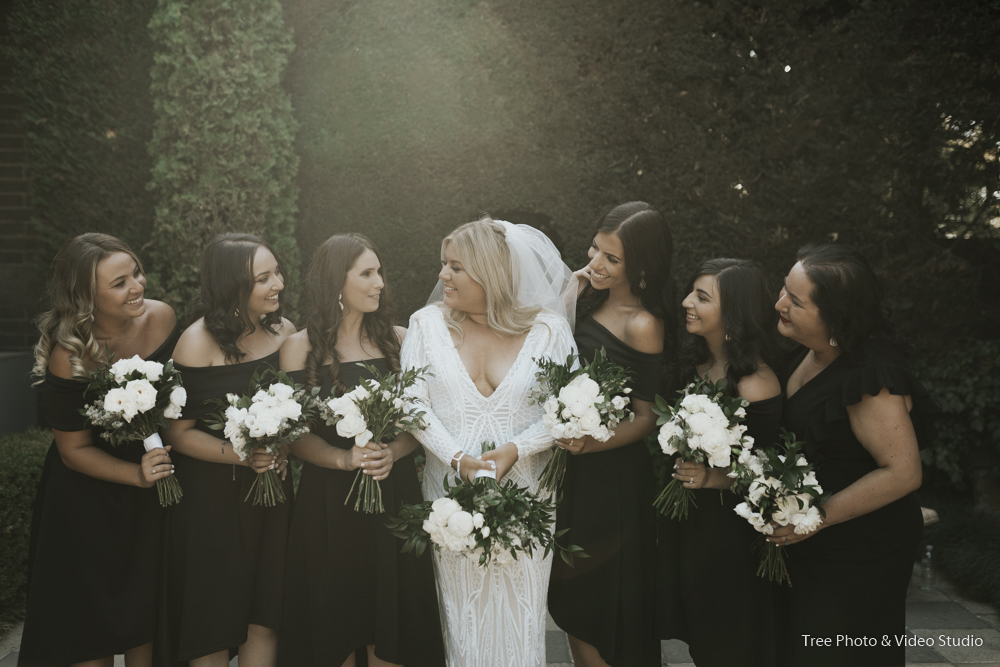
496	616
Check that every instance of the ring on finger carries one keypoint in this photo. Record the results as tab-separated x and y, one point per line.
787	541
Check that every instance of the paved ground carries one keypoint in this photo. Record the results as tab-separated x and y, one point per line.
942	616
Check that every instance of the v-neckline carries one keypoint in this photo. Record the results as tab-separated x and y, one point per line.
465	371
810	380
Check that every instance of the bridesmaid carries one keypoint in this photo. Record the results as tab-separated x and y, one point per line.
863	416
94	561
706	574
226	555
348	587
627	306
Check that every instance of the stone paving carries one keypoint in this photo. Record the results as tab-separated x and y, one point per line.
942	619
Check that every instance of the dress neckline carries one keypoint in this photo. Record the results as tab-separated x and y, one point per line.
461	362
797	363
623	343
238	363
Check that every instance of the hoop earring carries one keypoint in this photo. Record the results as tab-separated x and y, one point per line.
340	300
727	337
833	342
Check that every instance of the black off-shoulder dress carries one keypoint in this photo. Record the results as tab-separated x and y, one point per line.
225	556
347	584
851	578
707	591
607	600
95	547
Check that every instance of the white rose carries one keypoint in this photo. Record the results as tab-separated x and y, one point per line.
745	455
485	532
360	393
256	429
281	391
460	524
581	407
756	491
557	431
397	403
809	479
699	422
756	463
572	430
601	433
120	369
740	412
667	432
172	411
386	395
589	388
619	402
271	421
232	398
569	395
590	420
567	413
551	405
807	521
290	409
143	393
477	520
363	438
549	420
351	425
692	403
178	397
444	507
119	401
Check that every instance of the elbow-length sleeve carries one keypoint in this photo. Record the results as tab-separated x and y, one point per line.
559	345
414	354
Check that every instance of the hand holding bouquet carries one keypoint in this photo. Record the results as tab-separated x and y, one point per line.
703	427
778	487
488	521
269	416
134	398
588	401
375	411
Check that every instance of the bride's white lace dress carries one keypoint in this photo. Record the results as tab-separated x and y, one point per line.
494	616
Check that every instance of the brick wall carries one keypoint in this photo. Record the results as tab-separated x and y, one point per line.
20	283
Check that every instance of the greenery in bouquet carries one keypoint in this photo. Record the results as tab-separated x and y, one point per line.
589	400
778	487
376	411
703	426
274	412
135	397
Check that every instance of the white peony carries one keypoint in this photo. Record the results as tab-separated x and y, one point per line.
442	509
119	401
460	524
588	387
570	395
143	393
700	422
807	521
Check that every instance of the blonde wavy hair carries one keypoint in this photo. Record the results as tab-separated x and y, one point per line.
482	249
74	286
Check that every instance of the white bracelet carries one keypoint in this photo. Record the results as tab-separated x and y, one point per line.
458	464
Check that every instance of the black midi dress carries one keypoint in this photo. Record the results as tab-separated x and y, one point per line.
348	585
95	547
225	556
607	600
851	578
707	574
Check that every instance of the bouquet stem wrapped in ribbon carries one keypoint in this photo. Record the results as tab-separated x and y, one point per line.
703	426
377	410
778	487
587	401
135	398
488	521
270	415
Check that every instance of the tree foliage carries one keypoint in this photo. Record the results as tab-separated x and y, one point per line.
223	135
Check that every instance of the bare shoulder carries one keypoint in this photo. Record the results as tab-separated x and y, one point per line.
759	386
161	314
286	328
644	332
294	351
59	364
400	334
196	347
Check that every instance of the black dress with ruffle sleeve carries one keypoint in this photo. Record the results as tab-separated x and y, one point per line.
225	563
94	560
607	600
348	585
850	579
705	565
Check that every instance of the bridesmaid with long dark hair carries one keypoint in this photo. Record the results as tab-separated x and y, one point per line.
627	306
226	556
348	586
705	561
850	396
95	539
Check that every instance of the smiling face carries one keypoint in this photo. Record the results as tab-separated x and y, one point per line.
363	284
461	292
702	308
798	316
607	261
120	287
267	284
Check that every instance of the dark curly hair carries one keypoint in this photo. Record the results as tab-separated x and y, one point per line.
848	295
324	284
227	279
649	249
746	306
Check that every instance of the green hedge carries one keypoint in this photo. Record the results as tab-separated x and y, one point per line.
81	68
222	139
21	458
966	544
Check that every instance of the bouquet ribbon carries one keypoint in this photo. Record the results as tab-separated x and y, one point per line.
152	442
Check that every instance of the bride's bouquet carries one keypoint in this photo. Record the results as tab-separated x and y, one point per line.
487	521
778	486
270	415
134	398
703	426
377	410
587	401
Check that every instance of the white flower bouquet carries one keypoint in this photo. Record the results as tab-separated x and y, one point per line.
269	416
778	487
135	398
703	427
487	521
377	410
587	401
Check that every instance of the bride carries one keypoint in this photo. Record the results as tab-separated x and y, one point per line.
504	299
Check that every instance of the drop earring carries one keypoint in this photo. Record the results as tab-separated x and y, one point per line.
833	342
642	280
236	313
727	337
340	300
